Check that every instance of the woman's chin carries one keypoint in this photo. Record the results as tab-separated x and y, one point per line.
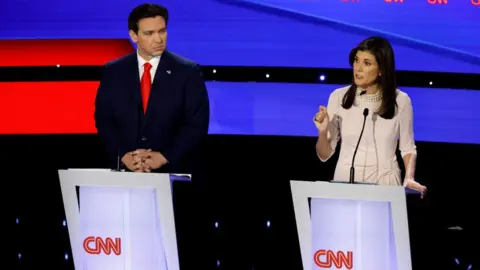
359	83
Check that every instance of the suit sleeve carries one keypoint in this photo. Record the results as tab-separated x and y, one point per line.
104	121
195	120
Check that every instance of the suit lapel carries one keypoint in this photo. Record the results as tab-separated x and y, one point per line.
161	84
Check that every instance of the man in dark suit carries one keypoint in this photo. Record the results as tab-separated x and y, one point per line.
152	107
152	113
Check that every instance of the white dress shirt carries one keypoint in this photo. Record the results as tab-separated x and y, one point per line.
154	62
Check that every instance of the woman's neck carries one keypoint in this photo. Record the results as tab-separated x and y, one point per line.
372	89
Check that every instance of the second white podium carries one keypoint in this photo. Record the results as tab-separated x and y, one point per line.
351	226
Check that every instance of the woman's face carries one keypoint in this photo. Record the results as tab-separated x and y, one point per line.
365	69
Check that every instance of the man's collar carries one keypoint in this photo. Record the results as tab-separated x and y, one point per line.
154	61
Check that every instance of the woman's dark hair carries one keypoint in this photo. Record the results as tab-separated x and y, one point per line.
383	52
146	11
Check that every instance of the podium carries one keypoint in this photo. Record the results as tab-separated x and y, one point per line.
352	226
120	220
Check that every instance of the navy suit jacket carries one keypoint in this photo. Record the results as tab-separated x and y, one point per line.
177	117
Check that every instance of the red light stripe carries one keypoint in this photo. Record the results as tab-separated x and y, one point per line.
47	107
85	52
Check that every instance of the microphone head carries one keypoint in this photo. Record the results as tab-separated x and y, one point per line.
365	112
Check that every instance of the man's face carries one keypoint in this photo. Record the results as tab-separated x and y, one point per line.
151	38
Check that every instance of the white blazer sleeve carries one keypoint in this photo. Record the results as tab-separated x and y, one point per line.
407	142
333	134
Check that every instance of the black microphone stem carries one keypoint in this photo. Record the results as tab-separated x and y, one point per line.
352	168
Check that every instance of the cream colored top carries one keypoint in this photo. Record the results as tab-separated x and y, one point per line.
376	160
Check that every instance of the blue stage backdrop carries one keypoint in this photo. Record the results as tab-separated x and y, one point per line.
428	35
440	115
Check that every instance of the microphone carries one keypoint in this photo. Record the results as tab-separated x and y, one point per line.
352	168
117	169
118	163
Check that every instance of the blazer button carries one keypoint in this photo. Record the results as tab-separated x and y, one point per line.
144	138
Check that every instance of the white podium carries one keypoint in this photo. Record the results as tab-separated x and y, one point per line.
352	226
120	220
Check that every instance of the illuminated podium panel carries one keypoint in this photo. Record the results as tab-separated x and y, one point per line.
352	226
120	220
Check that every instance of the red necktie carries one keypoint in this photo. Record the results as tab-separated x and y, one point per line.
146	85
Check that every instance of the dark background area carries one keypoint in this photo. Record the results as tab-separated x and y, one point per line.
247	185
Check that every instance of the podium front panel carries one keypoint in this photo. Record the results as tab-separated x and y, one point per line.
121	229
347	233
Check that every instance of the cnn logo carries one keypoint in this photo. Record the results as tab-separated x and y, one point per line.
326	259
95	245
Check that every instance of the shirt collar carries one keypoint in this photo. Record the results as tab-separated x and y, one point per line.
154	61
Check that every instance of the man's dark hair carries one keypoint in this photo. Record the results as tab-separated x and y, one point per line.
146	11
